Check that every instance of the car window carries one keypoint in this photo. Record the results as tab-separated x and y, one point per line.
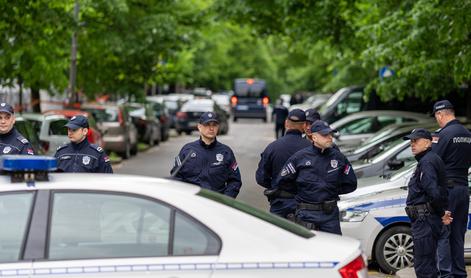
384	121
111	115
57	127
15	211
192	238
36	126
405	155
359	126
95	225
104	225
262	215
351	104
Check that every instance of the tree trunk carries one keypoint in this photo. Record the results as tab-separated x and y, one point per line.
35	100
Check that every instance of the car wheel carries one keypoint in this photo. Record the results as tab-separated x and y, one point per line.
264	119
394	249
234	119
126	154
188	132
134	149
179	132
164	134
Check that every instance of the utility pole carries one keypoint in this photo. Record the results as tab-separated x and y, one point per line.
72	94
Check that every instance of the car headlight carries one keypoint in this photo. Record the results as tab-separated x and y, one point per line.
353	215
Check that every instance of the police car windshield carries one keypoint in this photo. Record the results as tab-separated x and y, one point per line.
262	215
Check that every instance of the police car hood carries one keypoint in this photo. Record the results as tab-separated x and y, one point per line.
390	197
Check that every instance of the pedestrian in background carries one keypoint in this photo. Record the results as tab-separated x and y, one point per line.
453	145
207	162
274	157
427	200
79	156
11	141
280	112
318	174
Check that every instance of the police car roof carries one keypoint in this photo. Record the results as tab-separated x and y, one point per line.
115	182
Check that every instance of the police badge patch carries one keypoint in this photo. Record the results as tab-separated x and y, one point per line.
308	163
7	149
219	157
86	160
334	163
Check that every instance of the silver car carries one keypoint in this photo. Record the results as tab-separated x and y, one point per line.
50	129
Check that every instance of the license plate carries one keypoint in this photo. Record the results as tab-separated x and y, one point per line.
242	107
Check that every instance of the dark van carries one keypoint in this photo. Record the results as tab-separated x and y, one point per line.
250	99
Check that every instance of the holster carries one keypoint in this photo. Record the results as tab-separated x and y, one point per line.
419	211
308	225
273	193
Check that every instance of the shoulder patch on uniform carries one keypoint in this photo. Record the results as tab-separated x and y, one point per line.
96	148
22	140
61	147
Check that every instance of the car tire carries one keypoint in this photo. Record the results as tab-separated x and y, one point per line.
188	132
165	134
234	119
134	149
179	132
394	249
264	119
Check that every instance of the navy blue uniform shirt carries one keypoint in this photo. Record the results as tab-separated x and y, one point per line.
276	154
211	166
317	176
281	113
428	183
454	148
82	158
13	142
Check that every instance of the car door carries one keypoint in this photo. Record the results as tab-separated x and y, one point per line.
15	213
105	234
54	132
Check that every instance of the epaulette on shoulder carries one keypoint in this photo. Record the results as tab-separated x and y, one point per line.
22	140
96	148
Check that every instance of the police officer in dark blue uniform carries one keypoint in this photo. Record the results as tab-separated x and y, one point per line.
426	202
207	162
79	156
274	157
11	141
318	174
280	112
311	116
453	145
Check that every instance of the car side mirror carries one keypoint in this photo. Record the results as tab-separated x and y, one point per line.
395	164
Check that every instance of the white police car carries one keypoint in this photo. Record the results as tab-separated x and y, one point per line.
379	221
98	225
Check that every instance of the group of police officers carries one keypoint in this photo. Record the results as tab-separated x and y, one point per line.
303	174
78	156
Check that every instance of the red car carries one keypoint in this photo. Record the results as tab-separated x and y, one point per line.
94	135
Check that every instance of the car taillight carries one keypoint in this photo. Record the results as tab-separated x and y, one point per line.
182	115
265	101
234	100
352	269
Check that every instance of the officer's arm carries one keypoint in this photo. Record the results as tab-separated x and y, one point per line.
179	164
264	171
27	149
287	177
104	164
429	182
234	181
348	179
442	144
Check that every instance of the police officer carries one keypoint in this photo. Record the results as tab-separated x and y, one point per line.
318	173
11	141
274	157
311	116
207	162
453	145
79	155
280	112
426	202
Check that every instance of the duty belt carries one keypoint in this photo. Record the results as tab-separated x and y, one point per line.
452	183
325	206
416	211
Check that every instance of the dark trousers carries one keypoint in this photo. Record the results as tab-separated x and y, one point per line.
425	234
279	130
451	243
325	222
283	206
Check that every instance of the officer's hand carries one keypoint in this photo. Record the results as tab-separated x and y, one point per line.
446	218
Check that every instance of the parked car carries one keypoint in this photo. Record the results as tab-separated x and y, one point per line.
173	103
382	139
224	101
26	128
147	124
50	129
380	222
132	226
189	114
356	128
94	134
120	133
312	102
162	113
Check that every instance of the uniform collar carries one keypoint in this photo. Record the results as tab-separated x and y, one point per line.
452	122
320	151
80	145
210	146
293	132
419	156
9	133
